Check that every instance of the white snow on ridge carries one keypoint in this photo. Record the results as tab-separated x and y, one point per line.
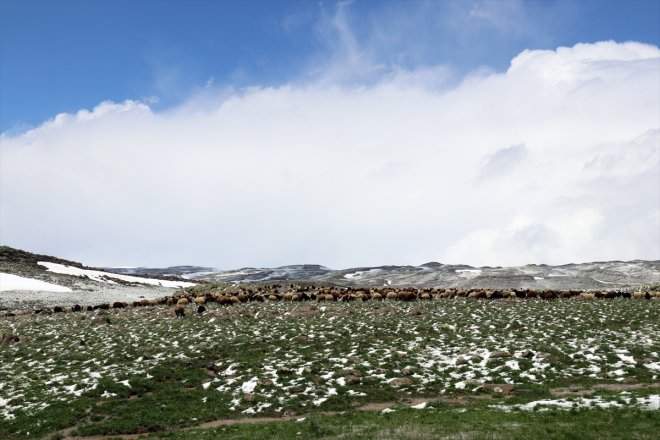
14	282
101	276
468	273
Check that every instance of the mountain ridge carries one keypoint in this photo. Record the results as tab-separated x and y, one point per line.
607	275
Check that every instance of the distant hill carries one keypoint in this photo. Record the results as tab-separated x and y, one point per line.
180	271
595	275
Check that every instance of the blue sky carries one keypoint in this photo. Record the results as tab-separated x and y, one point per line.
60	56
347	134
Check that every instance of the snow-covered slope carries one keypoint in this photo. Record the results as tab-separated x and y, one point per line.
599	275
14	282
31	280
108	277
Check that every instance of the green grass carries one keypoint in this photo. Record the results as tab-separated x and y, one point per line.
448	423
142	370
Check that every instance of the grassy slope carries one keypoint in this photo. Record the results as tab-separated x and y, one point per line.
167	363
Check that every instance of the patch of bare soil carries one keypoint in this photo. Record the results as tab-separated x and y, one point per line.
584	391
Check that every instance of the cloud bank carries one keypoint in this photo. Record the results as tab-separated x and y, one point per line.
555	160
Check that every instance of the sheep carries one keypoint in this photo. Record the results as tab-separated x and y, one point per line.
200	300
180	310
201	309
182	302
118	305
406	295
587	296
549	294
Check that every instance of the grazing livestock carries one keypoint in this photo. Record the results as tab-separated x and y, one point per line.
549	294
201	309
182	302
180	310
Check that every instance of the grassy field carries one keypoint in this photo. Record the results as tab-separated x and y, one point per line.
444	368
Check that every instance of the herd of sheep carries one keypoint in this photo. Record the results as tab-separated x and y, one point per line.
297	293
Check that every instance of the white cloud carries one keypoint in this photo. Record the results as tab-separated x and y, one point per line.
353	175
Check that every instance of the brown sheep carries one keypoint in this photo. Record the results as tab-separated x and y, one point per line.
406	295
272	298
182	302
200	300
587	296
180	310
118	305
549	294
426	296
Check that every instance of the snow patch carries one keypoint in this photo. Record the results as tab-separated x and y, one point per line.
14	282
107	277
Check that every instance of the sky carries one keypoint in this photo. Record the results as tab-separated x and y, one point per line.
359	133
